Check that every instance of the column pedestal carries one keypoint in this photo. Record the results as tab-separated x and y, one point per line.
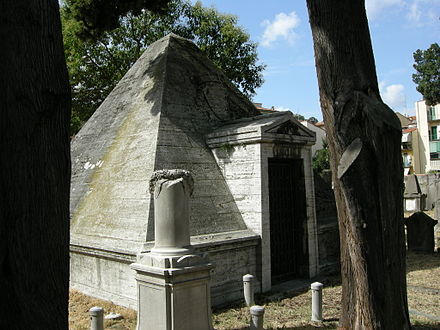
172	281
173	292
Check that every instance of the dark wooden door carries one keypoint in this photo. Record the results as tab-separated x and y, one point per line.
288	219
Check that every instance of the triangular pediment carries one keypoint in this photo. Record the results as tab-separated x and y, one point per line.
275	127
290	127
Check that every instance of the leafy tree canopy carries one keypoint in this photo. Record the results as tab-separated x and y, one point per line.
96	64
300	117
313	120
96	16
427	78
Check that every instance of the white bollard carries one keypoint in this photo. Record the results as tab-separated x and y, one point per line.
317	301
248	289
257	317
96	318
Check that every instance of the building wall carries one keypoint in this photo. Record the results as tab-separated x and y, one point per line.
417	152
327	221
242	169
429	186
231	261
320	136
108	276
104	275
424	125
245	168
329	252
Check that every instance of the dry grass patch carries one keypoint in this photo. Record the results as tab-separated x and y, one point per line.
291	312
79	319
427	303
423	269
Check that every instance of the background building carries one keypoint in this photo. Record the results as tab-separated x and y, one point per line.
410	144
428	125
320	135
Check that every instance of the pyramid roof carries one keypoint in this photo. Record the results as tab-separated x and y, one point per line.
155	118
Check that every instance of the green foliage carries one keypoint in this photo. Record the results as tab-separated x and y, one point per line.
427	78
96	16
321	159
298	117
96	64
312	120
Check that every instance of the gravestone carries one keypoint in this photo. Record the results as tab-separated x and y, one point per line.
414	200
420	232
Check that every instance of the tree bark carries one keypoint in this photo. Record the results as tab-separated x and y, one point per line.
34	167
364	137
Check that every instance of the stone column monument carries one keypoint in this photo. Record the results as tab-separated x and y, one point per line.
172	280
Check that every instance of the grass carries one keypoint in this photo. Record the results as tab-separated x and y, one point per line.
79	305
423	271
291	312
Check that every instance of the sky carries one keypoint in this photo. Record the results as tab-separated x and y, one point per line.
282	31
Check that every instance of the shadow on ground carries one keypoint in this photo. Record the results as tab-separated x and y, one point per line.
421	261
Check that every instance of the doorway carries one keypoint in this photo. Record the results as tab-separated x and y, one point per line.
288	219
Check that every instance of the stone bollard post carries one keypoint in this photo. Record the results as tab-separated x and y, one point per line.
248	289
257	317
316	301
96	318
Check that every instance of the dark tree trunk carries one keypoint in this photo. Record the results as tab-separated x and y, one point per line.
34	167
364	138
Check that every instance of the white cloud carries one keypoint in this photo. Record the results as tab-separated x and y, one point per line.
414	12
281	27
423	12
376	7
394	96
281	108
417	12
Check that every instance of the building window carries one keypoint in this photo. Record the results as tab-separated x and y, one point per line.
432	114
406	145
433	134
406	160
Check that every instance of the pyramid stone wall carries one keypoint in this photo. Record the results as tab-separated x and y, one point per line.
156	118
194	105
111	158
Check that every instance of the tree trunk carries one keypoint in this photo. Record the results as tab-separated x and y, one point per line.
34	167
364	137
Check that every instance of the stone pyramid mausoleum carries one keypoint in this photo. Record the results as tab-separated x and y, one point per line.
175	110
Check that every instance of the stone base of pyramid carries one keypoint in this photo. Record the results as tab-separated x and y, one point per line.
107	274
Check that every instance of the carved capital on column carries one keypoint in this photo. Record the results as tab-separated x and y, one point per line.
161	176
171	190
